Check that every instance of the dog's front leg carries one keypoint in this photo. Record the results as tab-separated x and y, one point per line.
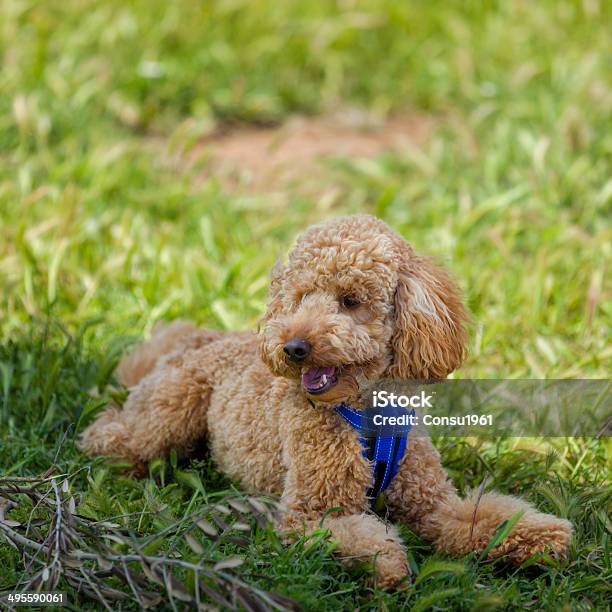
423	496
326	470
359	538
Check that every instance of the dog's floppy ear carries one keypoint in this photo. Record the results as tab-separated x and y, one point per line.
274	293
429	338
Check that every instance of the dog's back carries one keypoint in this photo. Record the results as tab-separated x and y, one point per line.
166	338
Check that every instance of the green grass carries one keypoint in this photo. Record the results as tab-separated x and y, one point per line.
101	235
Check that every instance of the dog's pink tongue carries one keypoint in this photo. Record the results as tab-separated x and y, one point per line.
312	377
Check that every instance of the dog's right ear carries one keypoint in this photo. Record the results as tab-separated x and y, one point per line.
274	294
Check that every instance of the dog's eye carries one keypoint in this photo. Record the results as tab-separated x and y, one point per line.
349	301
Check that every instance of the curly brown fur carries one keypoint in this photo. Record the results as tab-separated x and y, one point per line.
368	306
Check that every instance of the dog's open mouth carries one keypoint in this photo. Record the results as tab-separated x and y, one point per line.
319	380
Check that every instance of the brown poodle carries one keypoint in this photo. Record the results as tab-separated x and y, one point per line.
354	303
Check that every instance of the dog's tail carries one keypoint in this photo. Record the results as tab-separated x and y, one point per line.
166	338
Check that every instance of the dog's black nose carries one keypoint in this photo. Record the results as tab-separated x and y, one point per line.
297	349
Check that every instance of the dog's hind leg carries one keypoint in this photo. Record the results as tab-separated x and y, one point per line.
166	338
166	410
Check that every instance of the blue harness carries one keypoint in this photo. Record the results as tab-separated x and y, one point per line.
383	446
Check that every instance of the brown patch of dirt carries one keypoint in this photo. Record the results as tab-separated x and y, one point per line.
269	159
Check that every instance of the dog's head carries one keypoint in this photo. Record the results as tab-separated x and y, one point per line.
355	301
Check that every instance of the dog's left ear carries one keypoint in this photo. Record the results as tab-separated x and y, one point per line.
429	337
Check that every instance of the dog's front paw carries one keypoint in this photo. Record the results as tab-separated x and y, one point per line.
535	532
391	569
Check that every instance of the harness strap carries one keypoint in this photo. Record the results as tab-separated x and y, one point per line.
384	447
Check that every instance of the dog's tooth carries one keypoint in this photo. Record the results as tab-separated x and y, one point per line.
324	380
